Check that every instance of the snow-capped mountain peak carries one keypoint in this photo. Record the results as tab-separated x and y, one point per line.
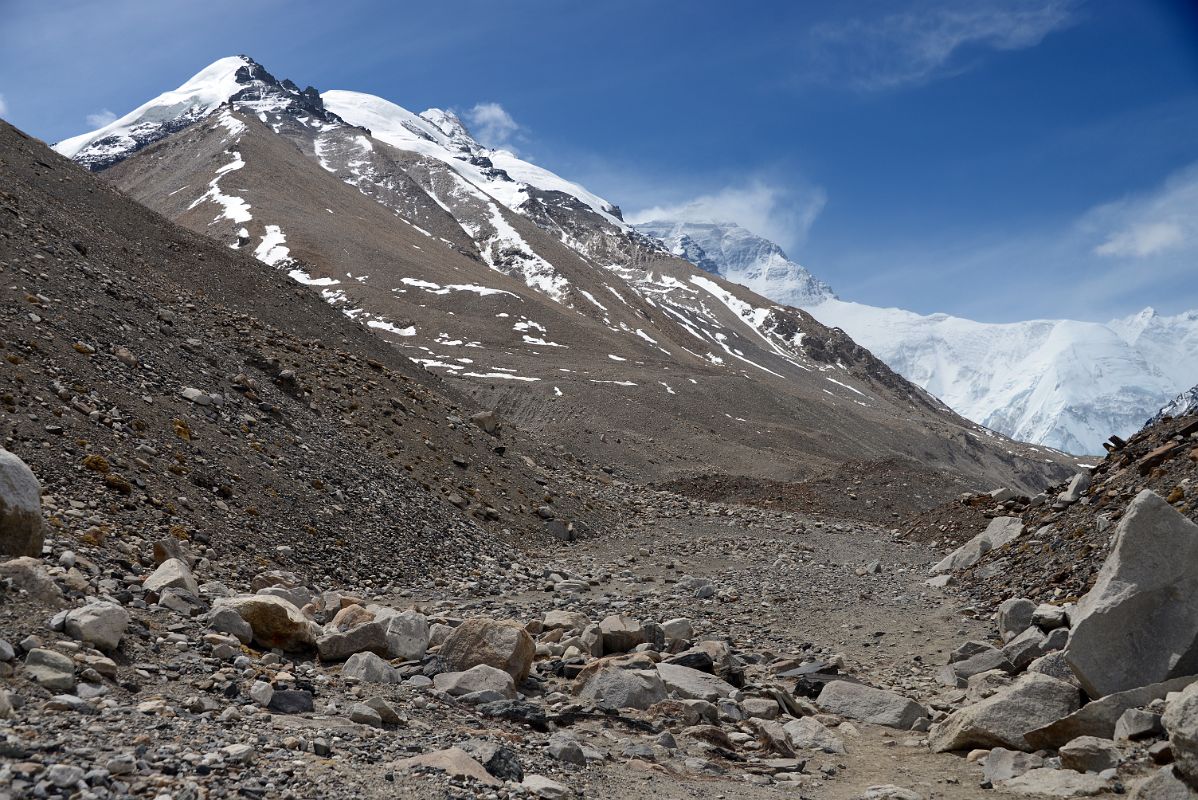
1061	383
237	80
725	248
1183	405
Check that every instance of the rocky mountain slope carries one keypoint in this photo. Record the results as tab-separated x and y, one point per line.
1062	383
524	290
1184	404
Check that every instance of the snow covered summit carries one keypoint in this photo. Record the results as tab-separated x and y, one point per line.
235	79
727	249
1061	383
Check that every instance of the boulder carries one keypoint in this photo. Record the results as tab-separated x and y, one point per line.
226	620
1000	531
1090	754
407	636
479	678
806	733
1015	617
454	762
1004	719
275	622
50	669
1047	782
1031	644
571	621
1048	617
1163	785
28	574
501	644
101	624
621	633
174	573
369	668
678	628
1139	623
21	532
1181	721
691	684
1136	723
1001	764
1099	717
1078	485
865	703
612	687
957	673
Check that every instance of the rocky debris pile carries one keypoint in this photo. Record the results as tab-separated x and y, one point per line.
1069	530
1108	683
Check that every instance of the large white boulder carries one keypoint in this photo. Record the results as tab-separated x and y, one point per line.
1004	719
100	623
20	508
1000	531
1139	623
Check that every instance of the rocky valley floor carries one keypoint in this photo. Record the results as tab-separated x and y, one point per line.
776	603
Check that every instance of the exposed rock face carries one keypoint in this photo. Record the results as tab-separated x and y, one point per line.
1181	721
20	508
1004	719
876	706
1139	624
1000	531
275	622
501	644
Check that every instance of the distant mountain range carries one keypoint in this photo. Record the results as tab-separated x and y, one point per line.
1062	383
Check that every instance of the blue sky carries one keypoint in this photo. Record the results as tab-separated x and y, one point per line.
1000	160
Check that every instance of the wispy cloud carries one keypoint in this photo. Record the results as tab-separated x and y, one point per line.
927	42
1159	224
3	106
492	125
100	118
781	214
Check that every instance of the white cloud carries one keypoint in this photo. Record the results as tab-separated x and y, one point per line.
3	106
1159	223
919	45
779	214
100	118
492	125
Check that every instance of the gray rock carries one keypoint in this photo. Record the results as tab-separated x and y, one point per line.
999	532
275	622
679	628
1031	644
501	644
1139	623
21	531
1090	754
571	621
888	791
479	678
612	687
565	748
365	715
865	703
1181	721
28	574
621	633
226	620
1002	764
387	712
691	684
807	733
1078	485
292	701
1048	617
100	623
172	573
1138	724
1098	718
1015	617
1004	719
369	668
1055	783
1163	785
52	670
959	672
